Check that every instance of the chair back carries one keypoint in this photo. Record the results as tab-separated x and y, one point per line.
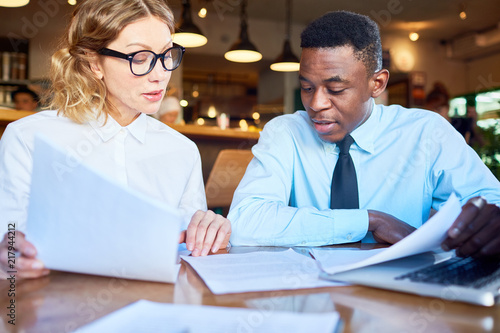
228	169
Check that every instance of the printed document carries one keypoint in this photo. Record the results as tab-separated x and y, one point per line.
81	221
146	316
258	271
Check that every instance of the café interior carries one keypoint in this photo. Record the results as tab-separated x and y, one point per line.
239	71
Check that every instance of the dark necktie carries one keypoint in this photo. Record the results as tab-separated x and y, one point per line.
344	192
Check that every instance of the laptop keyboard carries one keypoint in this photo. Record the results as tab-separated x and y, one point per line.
467	272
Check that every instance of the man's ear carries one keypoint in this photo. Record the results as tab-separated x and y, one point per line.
379	82
95	65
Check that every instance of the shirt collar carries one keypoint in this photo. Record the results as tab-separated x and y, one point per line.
108	129
364	134
139	127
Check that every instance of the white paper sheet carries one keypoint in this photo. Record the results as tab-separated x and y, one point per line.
145	316
328	258
258	271
426	238
81	221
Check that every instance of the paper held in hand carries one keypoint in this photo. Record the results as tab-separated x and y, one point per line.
81	221
426	238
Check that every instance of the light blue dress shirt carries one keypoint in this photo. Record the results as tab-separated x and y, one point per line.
406	160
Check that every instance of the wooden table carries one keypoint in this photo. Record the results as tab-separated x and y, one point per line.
61	302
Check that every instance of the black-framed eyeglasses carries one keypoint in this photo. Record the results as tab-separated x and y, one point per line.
143	62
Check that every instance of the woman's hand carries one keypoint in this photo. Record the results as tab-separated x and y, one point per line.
206	232
25	265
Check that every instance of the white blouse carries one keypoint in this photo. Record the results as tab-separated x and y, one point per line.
147	156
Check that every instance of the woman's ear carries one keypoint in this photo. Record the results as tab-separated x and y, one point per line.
95	65
379	82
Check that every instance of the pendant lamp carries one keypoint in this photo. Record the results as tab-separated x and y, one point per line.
287	61
13	3
187	33
243	50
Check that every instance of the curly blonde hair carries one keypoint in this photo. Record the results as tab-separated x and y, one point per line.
76	91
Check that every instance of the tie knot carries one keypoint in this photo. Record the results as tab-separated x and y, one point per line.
345	144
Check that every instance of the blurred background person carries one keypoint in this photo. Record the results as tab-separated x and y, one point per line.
170	111
438	100
25	99
467	126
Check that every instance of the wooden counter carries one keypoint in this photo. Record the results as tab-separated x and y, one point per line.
213	132
211	140
7	116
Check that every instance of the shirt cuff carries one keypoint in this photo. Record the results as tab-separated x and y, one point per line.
350	225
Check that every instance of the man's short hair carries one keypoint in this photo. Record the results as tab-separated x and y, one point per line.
25	90
343	28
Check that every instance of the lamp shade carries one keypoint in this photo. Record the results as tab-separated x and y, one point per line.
243	50
287	61
187	33
13	3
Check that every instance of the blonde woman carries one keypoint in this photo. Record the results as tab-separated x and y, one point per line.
112	71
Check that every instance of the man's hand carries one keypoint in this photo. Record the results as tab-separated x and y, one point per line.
206	231
476	231
386	228
25	264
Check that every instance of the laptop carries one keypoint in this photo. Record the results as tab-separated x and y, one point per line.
435	274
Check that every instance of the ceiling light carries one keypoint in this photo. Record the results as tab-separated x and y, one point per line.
13	3
243	50
72	2
187	33
287	61
195	92
202	13
462	14
414	36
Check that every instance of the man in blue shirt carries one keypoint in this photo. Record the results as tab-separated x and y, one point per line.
407	161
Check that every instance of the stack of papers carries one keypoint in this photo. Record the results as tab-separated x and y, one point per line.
258	271
146	316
